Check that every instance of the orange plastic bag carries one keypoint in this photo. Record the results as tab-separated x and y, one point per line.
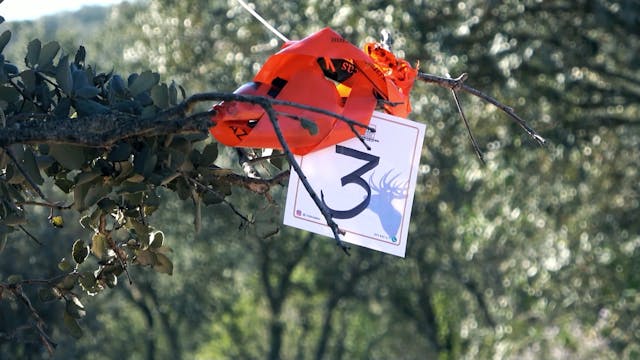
325	71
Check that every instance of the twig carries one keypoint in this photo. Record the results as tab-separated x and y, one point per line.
102	230
474	143
104	130
25	97
47	282
40	324
261	100
30	235
245	162
351	126
259	186
458	84
49	205
267	106
197	214
360	138
221	196
24	173
263	158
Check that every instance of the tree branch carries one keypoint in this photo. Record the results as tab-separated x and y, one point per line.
39	322
100	130
104	130
30	235
474	143
258	186
260	100
458	84
303	178
221	196
24	173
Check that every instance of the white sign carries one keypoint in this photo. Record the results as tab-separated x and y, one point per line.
369	193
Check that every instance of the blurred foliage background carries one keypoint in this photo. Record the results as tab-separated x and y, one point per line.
534	256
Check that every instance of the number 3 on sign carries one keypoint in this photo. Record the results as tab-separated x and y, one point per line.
372	213
354	177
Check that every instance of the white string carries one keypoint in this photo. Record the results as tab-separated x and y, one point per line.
263	21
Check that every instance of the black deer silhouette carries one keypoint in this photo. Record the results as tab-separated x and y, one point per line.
383	193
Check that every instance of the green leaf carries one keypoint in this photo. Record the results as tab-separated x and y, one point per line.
87	92
89	284
144	82
29	81
87	176
107	205
86	222
47	294
128	187
64	184
80	251
157	238
71	157
4	39
96	192
144	162
182	188
75	308
80	56
160	96
173	94
14	278
99	245
117	85
120	152
87	107
62	109
181	144
145	100
72	326
80	78
33	53
211	198
68	282
9	95
111	279
57	221
277	161
65	265
63	75
209	154
3	240
163	264
47	53
31	167
44	95
15	218
10	69
309	125
146	257
178	161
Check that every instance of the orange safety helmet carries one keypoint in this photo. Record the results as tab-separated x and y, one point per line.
324	71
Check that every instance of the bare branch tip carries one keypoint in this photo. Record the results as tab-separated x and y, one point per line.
462	78
542	141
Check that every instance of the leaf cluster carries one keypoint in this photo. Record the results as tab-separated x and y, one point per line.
115	188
